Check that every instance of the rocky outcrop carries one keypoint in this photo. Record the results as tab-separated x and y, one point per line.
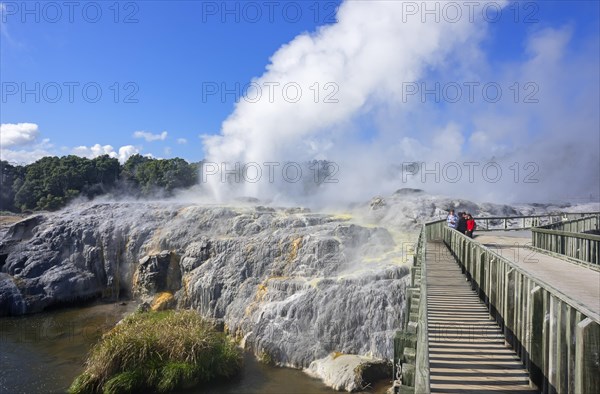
11	299
349	372
377	203
292	286
157	273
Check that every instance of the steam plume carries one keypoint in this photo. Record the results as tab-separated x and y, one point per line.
370	56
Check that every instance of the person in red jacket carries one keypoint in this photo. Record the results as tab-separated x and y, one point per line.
470	226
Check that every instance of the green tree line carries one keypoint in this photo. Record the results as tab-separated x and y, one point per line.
51	182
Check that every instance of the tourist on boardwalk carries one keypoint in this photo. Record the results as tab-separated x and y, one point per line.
471	225
452	219
461	226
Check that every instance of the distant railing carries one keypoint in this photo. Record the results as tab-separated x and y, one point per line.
591	222
569	238
556	337
494	223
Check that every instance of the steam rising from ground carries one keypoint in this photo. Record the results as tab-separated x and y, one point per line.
374	54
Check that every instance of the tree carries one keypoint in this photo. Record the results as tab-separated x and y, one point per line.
152	175
11	179
51	182
108	170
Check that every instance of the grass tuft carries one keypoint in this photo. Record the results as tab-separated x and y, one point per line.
174	375
125	382
158	352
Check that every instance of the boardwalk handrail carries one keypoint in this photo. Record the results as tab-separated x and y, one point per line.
526	222
516	300
567	233
575	215
538	320
422	381
411	345
568	238
587	223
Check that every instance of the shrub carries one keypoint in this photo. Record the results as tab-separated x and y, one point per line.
158	352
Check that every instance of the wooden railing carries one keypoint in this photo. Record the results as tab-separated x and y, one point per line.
556	337
411	345
583	247
589	223
422	352
569	238
494	223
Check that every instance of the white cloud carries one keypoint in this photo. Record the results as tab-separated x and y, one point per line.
23	157
122	154
32	153
127	151
149	137
12	134
25	136
94	151
182	141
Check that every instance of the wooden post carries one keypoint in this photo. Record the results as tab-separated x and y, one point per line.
552	335
509	307
587	348
536	320
562	364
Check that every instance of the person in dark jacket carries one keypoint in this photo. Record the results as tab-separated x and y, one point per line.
462	222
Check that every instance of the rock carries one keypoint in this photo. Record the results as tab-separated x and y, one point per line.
157	273
377	203
195	254
407	191
23	229
11	299
349	372
248	200
143	307
289	284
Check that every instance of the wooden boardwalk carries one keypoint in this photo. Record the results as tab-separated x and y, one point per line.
578	283
467	352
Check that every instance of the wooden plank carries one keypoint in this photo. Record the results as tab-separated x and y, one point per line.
466	347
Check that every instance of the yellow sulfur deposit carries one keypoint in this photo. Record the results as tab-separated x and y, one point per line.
162	301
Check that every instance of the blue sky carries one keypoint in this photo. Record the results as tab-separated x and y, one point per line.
166	51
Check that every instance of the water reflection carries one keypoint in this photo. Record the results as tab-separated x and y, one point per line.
43	353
